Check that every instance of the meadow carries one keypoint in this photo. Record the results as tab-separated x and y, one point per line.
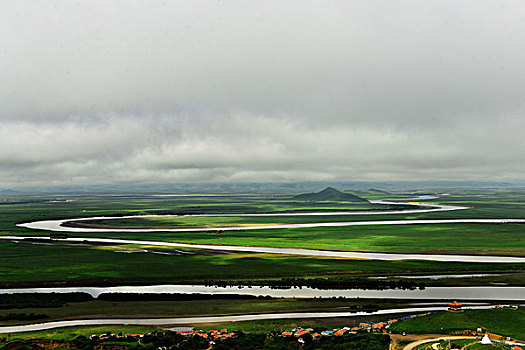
504	321
211	307
465	238
24	263
468	344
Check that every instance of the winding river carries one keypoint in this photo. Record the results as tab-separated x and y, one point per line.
434	293
58	226
431	293
210	319
288	251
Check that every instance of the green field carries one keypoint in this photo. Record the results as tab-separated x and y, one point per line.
500	239
26	264
505	322
70	333
212	307
467	344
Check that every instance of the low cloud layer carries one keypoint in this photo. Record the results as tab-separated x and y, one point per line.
141	91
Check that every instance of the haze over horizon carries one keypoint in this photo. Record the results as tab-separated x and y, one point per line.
232	91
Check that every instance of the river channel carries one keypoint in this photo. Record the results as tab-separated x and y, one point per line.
436	293
172	321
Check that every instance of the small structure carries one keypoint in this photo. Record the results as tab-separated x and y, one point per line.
379	326
486	339
339	332
455	306
301	332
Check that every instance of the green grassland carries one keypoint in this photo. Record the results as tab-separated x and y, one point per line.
212	307
475	239
502	239
70	333
507	239
26	263
466	344
506	322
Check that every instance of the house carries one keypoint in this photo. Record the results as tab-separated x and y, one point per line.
339	332
187	333
379	326
300	333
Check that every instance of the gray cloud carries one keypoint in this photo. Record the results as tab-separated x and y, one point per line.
145	91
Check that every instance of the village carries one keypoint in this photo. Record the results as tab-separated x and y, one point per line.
302	335
221	334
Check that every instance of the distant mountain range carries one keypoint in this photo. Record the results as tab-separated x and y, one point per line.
276	188
330	194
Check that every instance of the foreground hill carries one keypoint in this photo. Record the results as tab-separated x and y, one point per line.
330	194
502	321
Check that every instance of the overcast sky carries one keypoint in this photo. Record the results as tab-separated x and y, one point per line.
227	91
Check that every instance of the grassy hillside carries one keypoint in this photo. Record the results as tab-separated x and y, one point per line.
506	322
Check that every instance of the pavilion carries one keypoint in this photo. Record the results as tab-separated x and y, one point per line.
455	306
